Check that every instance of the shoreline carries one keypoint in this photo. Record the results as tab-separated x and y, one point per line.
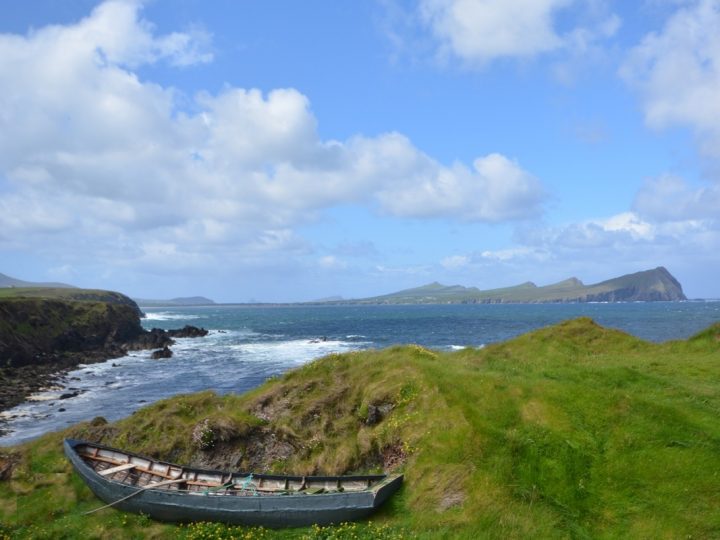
18	384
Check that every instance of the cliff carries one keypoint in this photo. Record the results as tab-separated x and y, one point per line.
44	331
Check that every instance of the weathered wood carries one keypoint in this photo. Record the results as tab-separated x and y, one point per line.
113	470
165	483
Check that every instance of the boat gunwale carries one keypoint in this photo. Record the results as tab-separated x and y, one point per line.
379	480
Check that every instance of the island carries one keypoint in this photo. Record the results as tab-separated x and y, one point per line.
646	286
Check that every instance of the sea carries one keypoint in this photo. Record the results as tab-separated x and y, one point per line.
247	345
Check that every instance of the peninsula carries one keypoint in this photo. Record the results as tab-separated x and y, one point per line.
647	286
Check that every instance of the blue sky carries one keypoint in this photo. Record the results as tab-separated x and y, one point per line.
285	151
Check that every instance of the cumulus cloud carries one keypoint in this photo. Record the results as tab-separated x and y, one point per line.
629	237
496	189
88	150
614	231
670	198
479	31
677	72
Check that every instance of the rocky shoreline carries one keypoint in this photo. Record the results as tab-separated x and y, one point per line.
17	384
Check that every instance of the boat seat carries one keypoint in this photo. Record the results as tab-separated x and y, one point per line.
111	470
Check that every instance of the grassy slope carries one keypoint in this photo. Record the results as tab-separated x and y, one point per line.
57	293
573	431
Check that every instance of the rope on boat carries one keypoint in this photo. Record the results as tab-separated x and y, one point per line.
149	486
248	482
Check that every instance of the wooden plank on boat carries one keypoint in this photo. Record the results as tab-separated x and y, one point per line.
164	483
112	470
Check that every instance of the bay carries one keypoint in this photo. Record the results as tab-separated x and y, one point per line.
249	344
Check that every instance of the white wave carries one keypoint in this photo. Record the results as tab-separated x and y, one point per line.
297	351
168	316
461	347
46	395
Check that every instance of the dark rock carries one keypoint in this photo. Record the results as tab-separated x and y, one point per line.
7	465
157	338
165	352
377	412
188	331
62	409
69	395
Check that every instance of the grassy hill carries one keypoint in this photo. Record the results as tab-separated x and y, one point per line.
7	281
572	431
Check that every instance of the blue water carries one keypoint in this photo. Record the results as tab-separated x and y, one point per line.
246	345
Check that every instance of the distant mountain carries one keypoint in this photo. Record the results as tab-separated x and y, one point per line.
7	281
648	286
184	301
330	299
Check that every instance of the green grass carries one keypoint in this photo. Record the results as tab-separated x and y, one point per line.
572	431
58	293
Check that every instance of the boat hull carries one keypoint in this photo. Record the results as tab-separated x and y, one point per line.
291	510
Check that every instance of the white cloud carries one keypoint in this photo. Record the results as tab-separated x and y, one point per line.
629	223
497	189
480	31
628	236
614	231
455	261
677	71
514	254
670	198
488	29
89	151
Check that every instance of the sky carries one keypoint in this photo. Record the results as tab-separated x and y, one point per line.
278	150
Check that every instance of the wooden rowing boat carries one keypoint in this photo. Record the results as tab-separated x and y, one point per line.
169	492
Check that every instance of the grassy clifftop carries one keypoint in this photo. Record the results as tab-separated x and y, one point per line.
571	431
69	295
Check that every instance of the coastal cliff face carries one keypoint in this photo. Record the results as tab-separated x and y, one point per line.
43	331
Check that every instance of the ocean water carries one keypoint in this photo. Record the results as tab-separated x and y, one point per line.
247	345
